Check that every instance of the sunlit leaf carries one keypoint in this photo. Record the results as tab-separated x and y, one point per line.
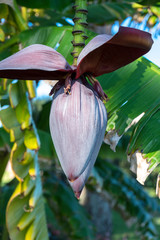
2	35
16	157
23	112
16	133
146	139
31	139
31	86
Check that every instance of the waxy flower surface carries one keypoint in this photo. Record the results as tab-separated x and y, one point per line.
78	116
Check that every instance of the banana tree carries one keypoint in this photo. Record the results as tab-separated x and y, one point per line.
129	105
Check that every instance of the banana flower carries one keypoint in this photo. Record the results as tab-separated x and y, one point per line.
78	117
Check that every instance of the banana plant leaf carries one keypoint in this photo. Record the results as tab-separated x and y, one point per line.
149	3
27	200
57	5
124	192
109	12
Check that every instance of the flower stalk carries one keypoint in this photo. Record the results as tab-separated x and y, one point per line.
80	23
97	87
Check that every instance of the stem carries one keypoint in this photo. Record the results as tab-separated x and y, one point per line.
78	32
97	87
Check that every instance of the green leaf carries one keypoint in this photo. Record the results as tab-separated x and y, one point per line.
2	35
66	49
28	157
146	139
23	112
109	12
8	118
16	222
6	192
35	195
145	121
4	156
50	36
150	2
3	10
50	18
31	86
9	47
41	122
46	150
16	133
132	90
14	90
27	220
76	217
57	5
31	138
128	197
27	197
16	157
27	185
4	138
133	93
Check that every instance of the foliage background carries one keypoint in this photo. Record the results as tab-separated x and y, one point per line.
112	198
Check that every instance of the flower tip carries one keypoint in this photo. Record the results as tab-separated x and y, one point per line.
77	194
72	178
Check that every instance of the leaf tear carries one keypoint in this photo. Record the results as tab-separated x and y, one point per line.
135	121
112	138
140	166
